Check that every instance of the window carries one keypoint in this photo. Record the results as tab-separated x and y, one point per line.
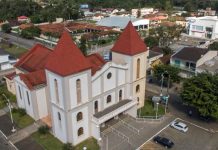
78	90
59	116
177	62
138	68
80	131
20	92
28	98
109	75
137	88
120	95
96	106
79	116
187	64
199	28
56	90
108	98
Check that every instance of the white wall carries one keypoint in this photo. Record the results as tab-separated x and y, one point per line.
59	79
42	102
84	123
121	77
59	127
96	86
109	83
84	89
4	58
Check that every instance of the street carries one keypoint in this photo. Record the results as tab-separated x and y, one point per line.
25	43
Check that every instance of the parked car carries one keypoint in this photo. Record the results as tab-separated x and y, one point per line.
163	141
179	126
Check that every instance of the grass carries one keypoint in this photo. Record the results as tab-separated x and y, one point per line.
13	50
90	144
148	109
22	121
47	141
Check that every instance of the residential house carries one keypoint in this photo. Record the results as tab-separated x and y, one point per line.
189	59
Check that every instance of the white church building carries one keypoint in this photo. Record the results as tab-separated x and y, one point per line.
76	94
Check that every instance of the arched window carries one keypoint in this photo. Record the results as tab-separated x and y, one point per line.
138	68
80	131
108	98
138	100
96	106
79	116
59	116
56	90
78	90
120	95
137	88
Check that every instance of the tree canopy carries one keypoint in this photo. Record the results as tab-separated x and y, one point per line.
201	91
213	46
172	71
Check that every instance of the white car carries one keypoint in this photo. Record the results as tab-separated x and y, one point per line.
179	126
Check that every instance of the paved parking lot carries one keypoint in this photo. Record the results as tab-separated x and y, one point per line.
28	142
195	139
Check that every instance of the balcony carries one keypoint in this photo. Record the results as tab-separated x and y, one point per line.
113	111
189	69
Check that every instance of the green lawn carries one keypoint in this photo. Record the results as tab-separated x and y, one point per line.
22	121
14	50
148	109
90	143
47	141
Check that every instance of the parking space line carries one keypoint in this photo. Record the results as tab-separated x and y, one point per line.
8	140
156	134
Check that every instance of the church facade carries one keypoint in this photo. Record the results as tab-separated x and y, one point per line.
76	94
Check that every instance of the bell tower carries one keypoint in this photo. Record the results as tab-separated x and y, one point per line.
130	49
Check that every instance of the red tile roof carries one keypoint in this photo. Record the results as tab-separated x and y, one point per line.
129	42
67	58
35	59
11	75
34	78
96	61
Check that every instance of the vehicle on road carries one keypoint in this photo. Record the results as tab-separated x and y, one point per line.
179	126
163	141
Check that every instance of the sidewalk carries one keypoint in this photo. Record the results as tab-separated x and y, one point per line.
23	133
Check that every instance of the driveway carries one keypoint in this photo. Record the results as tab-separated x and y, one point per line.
195	138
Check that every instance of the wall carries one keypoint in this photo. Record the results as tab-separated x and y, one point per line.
42	102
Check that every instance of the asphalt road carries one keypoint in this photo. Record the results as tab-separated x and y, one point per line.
25	43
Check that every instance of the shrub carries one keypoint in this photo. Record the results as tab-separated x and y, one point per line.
6	28
67	146
30	32
43	129
21	111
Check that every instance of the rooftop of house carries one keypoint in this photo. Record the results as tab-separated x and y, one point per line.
129	42
190	54
116	21
210	65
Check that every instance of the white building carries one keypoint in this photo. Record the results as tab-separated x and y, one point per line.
79	94
143	11
6	61
203	27
120	22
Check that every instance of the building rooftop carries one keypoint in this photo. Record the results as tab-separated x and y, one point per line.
210	66
116	21
190	53
129	42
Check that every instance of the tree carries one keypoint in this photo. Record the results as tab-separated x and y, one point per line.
213	46
151	41
83	46
201	91
6	28
138	13
172	71
167	50
30	32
